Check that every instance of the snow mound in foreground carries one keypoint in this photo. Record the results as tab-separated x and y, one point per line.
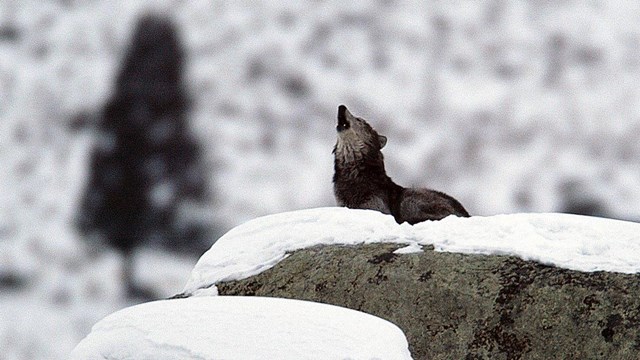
569	241
238	327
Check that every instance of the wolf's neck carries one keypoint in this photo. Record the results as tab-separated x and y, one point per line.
360	172
366	174
357	168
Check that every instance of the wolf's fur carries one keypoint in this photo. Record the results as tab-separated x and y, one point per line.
361	182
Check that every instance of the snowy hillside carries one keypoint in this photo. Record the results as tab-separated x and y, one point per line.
574	242
241	328
509	106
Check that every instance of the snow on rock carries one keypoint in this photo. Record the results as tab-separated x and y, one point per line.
569	241
241	328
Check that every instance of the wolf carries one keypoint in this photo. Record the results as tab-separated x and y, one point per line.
361	182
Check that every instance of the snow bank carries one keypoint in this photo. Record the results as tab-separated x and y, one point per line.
241	328
569	241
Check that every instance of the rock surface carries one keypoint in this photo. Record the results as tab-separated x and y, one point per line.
457	306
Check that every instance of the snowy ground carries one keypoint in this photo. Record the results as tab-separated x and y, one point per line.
510	106
242	328
574	242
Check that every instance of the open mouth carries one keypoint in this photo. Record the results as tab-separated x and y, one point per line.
343	123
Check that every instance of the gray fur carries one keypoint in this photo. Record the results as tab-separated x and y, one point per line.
360	180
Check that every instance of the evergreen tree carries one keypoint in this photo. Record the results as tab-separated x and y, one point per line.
146	166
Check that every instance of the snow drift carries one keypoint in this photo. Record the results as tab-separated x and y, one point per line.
241	328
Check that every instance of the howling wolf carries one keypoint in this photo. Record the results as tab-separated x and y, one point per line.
360	180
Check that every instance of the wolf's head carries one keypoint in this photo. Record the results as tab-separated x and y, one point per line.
356	138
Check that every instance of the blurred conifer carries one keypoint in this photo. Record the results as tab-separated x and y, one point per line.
146	166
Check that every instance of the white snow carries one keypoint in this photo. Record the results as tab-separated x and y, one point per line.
503	104
241	328
569	241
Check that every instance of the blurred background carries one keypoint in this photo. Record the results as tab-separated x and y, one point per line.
135	133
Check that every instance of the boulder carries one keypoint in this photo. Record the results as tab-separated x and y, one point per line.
466	306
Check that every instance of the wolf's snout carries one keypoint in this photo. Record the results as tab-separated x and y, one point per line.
343	122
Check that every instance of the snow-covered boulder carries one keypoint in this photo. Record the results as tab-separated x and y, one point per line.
514	286
568	241
238	327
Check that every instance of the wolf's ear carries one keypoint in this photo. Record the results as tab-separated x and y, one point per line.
383	140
